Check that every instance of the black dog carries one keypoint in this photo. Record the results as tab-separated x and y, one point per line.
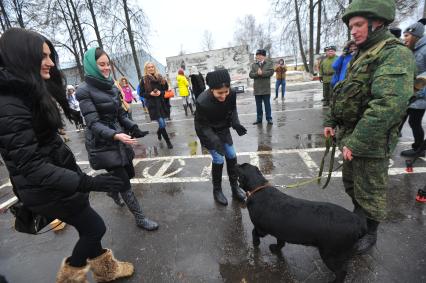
334	230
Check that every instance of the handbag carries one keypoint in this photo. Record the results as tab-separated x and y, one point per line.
169	94
27	221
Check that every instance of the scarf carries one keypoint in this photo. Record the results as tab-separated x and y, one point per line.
91	69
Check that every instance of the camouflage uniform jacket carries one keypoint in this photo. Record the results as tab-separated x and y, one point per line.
368	105
326	70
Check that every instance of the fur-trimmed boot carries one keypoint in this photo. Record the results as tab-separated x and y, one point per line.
71	274
166	138
107	268
135	208
231	168
218	195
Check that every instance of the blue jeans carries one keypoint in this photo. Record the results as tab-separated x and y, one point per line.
161	123
229	154
279	83
267	101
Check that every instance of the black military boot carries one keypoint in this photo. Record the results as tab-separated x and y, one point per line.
116	197
159	134
136	209
237	193
166	138
368	240
217	184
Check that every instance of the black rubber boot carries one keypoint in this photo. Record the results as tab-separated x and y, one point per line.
368	240
190	108
237	193
166	138
136	209
116	197
218	195
159	134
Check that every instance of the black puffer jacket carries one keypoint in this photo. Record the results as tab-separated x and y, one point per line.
101	107
214	118
42	169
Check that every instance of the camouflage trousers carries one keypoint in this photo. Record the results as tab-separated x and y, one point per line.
365	181
327	91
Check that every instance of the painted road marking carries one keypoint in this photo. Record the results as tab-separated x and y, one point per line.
164	163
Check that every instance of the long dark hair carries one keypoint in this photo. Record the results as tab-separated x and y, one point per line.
21	53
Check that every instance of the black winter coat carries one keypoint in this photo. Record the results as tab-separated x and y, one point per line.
198	85
214	118
100	105
158	107
42	169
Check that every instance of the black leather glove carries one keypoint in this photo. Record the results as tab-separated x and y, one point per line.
100	183
137	133
241	131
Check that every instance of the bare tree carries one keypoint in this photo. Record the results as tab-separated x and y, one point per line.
207	42
95	22
253	35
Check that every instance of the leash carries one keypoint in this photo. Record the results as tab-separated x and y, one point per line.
330	142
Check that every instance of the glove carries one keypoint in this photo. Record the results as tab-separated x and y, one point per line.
241	131
100	183
137	133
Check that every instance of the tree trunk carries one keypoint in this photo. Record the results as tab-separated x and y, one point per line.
95	23
18	10
5	16
299	35
311	36
132	40
3	27
349	31
318	45
74	47
80	30
74	27
424	9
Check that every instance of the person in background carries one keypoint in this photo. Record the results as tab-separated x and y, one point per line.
326	72
415	40
127	94
342	62
183	85
110	134
42	169
197	81
261	72
280	71
153	86
216	113
75	108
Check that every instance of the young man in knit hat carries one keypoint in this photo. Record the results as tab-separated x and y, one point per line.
216	113
261	72
415	40
326	73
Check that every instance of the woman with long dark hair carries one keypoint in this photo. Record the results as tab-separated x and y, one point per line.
110	133
42	169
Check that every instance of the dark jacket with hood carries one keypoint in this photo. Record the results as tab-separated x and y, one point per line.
198	85
101	107
214	118
42	169
157	105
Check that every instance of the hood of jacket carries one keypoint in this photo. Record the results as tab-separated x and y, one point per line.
11	83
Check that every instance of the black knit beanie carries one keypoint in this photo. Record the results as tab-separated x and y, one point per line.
218	79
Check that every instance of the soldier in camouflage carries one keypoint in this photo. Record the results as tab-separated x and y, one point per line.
367	108
326	72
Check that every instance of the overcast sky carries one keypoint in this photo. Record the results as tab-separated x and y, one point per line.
180	25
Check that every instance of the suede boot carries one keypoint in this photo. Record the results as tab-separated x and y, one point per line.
217	184
107	268
166	138
116	198
237	193
135	208
71	274
368	240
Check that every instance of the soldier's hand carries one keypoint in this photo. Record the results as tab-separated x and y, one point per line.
347	154
328	131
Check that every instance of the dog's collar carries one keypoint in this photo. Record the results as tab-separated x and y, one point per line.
255	190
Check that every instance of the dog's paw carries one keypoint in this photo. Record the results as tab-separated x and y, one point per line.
275	249
256	242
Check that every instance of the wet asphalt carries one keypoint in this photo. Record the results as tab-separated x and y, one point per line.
199	241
